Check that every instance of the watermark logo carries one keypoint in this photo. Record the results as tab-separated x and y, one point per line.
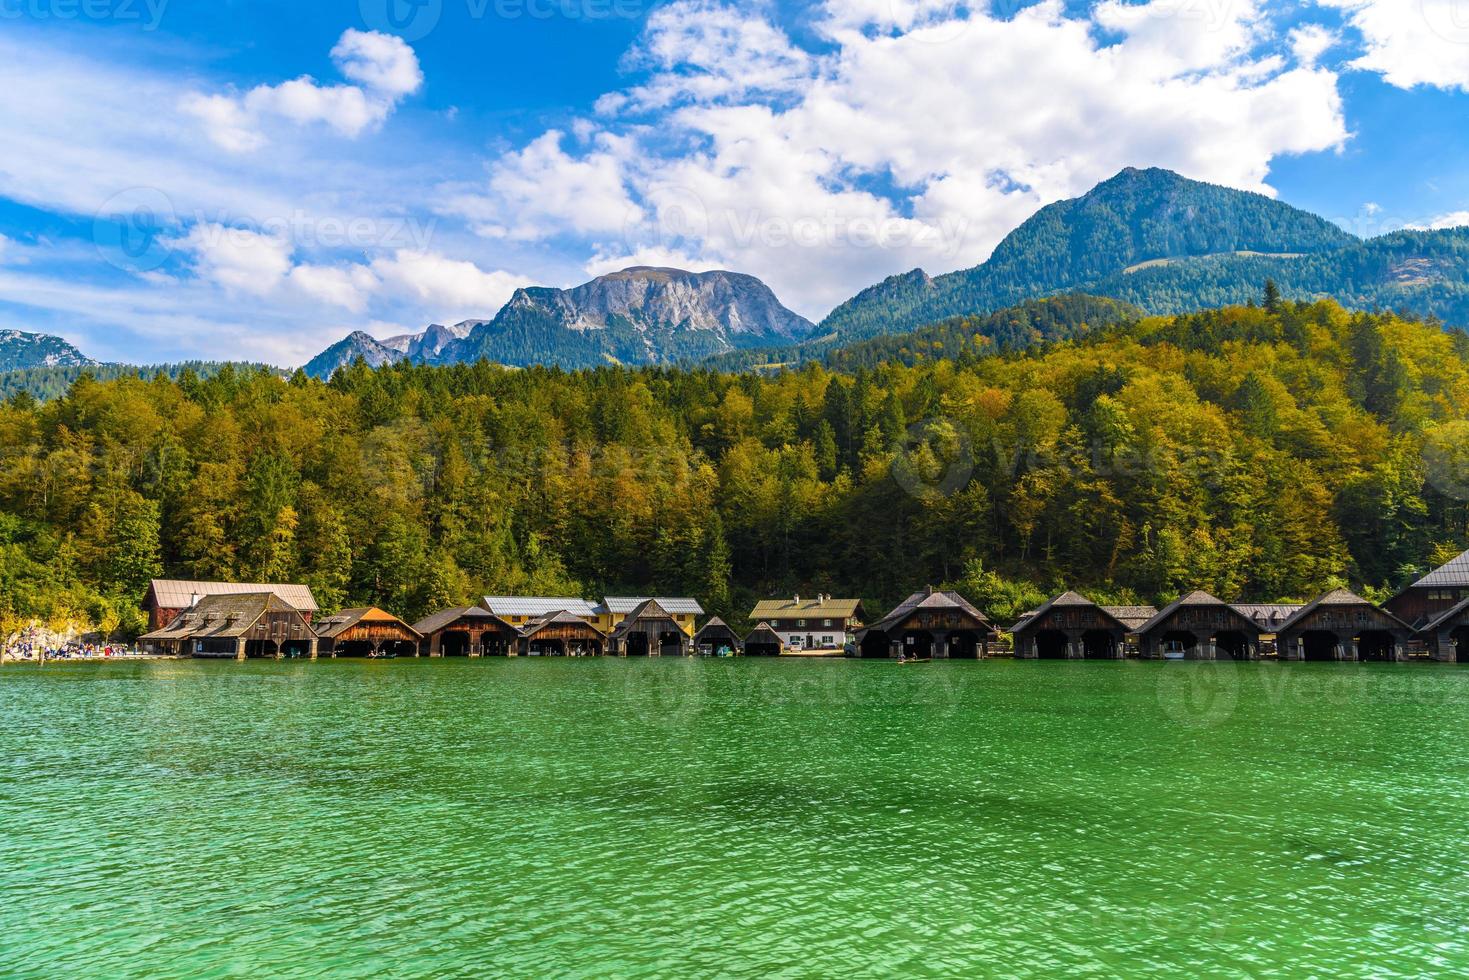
1199	695
665	692
147	13
934	459
131	231
412	20
1449	19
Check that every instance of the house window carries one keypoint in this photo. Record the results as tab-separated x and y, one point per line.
801	623
828	641
826	623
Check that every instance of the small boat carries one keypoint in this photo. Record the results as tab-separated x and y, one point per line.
917	660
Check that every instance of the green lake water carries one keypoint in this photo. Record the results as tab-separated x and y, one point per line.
733	817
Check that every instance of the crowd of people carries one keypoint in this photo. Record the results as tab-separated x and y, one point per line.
36	651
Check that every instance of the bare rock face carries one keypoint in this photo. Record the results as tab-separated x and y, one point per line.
19	350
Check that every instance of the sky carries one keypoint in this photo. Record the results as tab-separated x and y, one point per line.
225	179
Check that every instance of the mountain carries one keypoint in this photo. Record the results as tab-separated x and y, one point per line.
640	315
20	350
356	345
1169	245
420	348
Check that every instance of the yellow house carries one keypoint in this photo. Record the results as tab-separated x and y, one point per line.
614	609
519	610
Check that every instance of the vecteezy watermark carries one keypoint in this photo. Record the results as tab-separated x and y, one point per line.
1199	695
148	13
413	20
132	230
934	459
304	230
1449	19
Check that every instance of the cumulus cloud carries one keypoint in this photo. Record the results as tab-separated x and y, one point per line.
458	289
1411	42
918	133
385	68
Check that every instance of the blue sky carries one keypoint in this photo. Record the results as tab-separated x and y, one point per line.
255	179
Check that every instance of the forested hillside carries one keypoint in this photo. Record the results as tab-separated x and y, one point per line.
1171	245
46	383
1263	453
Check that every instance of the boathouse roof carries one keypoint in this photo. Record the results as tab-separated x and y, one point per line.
510	605
716	626
648	609
763	634
1072	600
1196	600
1269	616
928	599
171	593
334	626
560	617
1438	621
1336	597
1453	573
442	618
621	605
1133	617
222	617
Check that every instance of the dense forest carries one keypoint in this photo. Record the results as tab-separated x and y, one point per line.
45	383
1265	452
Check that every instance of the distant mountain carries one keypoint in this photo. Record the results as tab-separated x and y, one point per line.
20	350
638	316
1170	245
419	348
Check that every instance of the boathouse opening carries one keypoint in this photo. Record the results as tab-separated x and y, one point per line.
874	645
1098	645
1376	646
1051	645
397	648
1460	639
637	644
1180	645
260	649
918	643
964	645
454	643
1320	645
296	649
1231	645
670	644
353	648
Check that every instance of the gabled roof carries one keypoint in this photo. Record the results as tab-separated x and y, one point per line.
762	633
1066	600
1438	621
509	605
1336	597
621	605
1192	600
169	593
815	608
334	626
1452	573
558	618
1269	616
928	599
222	617
715	625
647	609
436	622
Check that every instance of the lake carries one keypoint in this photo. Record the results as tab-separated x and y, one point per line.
738	817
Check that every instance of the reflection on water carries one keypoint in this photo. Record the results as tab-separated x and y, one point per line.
732	816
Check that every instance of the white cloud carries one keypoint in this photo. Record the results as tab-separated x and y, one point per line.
239	260
1411	42
349	287
919	135
1310	41
385	67
546	190
454	288
1454	219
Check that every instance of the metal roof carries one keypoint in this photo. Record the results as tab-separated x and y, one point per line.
1269	615
622	605
1453	573
179	593
510	605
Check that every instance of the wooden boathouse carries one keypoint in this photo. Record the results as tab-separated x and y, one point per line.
648	631
167	597
366	632
1199	627
762	641
562	634
930	624
237	626
1428	599
1447	637
716	639
1341	625
467	631
1072	627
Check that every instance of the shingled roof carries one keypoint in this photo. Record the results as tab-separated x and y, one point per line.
1073	600
1336	597
442	618
221	617
171	593
1193	599
927	599
558	618
334	626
